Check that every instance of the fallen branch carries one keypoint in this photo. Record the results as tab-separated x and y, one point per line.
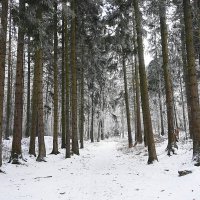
184	172
43	177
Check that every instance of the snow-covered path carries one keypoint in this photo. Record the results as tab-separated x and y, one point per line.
103	171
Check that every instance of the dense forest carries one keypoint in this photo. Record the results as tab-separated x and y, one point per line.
77	70
99	99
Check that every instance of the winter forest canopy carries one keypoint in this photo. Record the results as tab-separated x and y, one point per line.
73	71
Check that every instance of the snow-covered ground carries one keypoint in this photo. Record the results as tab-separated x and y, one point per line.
104	171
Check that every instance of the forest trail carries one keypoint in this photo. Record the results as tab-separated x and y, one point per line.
104	171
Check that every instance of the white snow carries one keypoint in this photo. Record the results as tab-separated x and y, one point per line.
104	171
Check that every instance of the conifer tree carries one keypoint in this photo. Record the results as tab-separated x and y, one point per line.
19	89
3	34
143	87
193	86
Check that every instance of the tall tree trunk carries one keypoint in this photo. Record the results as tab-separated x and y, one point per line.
134	116
75	147
175	113
99	131
88	118
92	118
9	86
19	87
167	78
160	107
28	111
185	76
183	104
130	140
63	145
3	34
138	130
193	87
34	108
55	96
102	118
144	87
138	120
68	155
122	119
81	125
41	142
48	87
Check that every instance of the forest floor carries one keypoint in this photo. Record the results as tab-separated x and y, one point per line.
104	171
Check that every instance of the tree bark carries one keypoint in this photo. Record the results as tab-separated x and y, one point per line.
19	88
92	118
3	34
185	76
144	88
130	140
55	96
183	104
88	116
81	125
138	120
167	78
28	111
161	108
9	86
41	142
34	108
138	130
63	145
75	148
68	154
192	86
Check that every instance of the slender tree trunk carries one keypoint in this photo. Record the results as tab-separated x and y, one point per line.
122	120
144	87
138	134
133	120
34	108
138	120
55	96
88	118
102	118
193	87
167	77
175	114
130	140
99	131
185	76
68	154
63	145
75	147
161	109
47	100
183	105
92	118
18	116
28	112
9	86
41	142
81	125
3	34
